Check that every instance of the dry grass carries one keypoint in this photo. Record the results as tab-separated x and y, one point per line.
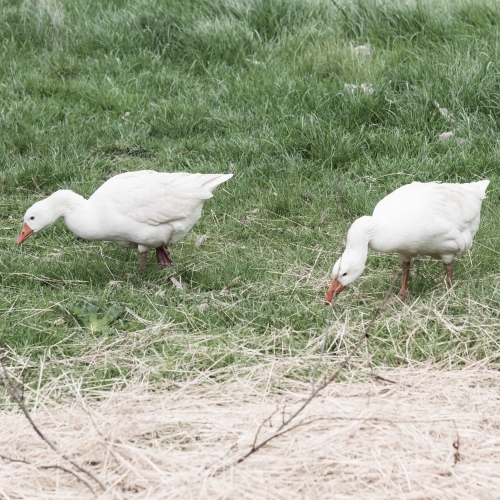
431	434
156	403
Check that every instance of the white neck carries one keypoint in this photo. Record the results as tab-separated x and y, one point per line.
64	202
76	212
358	238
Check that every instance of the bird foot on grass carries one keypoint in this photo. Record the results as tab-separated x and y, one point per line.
163	256
403	295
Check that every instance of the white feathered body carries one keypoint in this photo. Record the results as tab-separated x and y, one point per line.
430	218
143	209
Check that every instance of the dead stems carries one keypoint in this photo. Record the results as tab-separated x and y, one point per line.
60	467
9	385
284	427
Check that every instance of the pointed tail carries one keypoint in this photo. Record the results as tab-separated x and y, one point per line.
211	181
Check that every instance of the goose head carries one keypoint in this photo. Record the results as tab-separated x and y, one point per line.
352	263
345	271
39	216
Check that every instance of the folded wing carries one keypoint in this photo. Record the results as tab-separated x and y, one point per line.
157	198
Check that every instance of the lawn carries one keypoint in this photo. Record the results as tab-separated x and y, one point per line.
318	108
264	90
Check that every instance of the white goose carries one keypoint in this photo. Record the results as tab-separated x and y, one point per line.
430	218
143	210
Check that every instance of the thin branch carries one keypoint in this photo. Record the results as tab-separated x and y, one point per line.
323	343
340	204
64	469
378	420
37	187
383	379
283	428
456	445
11	389
340	201
340	8
262	425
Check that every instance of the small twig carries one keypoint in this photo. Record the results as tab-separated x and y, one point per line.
323	343
60	467
340	201
37	187
262	425
11	389
283	428
383	379
316	367
340	8
456	445
377	420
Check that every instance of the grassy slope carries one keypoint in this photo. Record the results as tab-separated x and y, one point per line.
255	88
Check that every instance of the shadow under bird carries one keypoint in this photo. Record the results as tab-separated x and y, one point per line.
142	210
432	218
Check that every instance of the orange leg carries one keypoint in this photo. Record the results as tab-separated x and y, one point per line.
404	293
449	272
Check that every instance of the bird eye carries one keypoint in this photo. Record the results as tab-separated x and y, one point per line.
345	274
32	218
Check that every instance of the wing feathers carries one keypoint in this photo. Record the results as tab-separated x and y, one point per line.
156	197
416	203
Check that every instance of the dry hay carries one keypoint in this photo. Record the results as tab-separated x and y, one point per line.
431	434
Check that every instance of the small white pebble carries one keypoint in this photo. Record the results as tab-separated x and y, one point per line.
367	88
444	112
254	61
177	283
350	87
445	136
200	240
363	50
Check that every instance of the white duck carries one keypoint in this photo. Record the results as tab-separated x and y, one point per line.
143	210
430	218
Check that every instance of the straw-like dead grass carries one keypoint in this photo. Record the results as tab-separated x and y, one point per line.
431	434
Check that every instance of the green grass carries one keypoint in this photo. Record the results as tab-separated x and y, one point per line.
256	88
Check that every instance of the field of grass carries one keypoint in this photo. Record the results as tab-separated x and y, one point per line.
269	90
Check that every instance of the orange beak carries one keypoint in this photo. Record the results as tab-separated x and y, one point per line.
335	288
26	232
